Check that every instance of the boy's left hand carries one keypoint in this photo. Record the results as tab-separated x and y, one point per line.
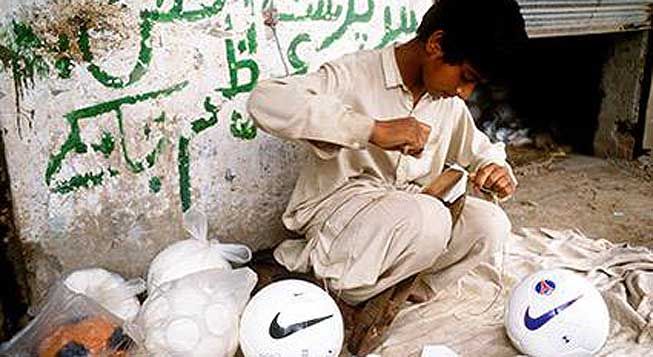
495	178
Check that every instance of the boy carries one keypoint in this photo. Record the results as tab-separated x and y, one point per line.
382	125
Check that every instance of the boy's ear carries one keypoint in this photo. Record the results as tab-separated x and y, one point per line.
433	44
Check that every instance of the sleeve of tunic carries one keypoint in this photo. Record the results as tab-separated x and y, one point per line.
311	109
470	147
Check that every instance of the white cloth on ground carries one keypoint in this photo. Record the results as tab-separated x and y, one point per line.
468	317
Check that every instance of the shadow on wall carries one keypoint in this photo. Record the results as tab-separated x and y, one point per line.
13	291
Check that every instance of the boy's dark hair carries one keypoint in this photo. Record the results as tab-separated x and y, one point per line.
484	33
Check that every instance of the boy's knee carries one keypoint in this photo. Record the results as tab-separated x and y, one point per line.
434	222
493	230
498	223
487	217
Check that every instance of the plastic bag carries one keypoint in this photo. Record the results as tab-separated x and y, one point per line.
70	324
196	315
194	254
109	290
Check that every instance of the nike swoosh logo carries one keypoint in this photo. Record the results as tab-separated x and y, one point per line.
278	332
535	323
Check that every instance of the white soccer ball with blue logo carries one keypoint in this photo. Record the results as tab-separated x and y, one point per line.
291	318
557	313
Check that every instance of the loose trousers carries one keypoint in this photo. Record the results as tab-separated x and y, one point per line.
368	236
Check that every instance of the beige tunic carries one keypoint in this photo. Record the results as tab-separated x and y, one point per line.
333	111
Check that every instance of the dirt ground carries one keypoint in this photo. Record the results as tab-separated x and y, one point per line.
609	199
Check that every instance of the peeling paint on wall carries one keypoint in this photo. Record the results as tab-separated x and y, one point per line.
21	55
59	25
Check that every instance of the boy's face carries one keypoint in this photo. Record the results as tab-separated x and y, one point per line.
442	79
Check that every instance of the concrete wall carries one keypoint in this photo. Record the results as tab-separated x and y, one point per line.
623	75
117	115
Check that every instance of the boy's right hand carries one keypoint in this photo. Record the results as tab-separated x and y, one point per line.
407	135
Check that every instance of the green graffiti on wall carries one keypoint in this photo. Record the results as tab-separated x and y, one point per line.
300	66
21	51
79	181
63	64
351	17
149	19
406	26
323	11
134	165
22	55
155	184
106	145
241	127
183	164
236	66
74	144
201	124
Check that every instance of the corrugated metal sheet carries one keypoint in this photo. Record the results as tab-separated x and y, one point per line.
578	17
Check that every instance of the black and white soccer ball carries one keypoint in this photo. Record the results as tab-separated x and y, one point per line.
291	318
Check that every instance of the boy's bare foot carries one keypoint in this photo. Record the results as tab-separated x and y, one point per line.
374	319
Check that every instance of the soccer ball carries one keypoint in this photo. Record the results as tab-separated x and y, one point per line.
556	313
185	320
291	318
196	315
